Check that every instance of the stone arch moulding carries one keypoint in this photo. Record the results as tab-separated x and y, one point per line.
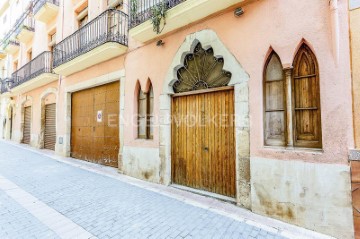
43	96
8	134
20	135
301	43
147	85
239	80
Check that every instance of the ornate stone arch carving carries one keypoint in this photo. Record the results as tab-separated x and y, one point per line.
201	70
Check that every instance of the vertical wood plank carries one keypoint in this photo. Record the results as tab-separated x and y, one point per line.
211	169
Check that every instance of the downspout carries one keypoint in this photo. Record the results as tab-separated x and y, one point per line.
335	30
62	35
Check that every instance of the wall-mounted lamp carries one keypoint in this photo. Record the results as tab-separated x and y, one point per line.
160	43
238	12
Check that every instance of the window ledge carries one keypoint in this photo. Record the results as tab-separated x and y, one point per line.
143	140
295	149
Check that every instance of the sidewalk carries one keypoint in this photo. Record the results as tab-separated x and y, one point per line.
166	200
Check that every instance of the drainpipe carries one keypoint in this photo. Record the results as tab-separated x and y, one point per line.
335	30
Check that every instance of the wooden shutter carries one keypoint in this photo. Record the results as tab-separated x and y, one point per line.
306	88
274	101
142	111
50	127
150	113
27	125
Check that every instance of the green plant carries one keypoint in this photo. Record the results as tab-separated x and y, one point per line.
133	7
158	14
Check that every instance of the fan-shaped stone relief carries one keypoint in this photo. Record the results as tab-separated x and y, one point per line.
201	70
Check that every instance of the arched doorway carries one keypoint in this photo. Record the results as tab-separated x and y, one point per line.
235	91
203	150
26	120
48	119
11	113
9	122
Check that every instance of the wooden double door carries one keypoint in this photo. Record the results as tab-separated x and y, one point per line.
95	124
203	141
355	184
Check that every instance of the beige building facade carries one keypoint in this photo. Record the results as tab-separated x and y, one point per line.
246	101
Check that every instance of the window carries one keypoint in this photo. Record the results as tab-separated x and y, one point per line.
83	17
29	54
15	65
292	114
274	102
84	35
52	37
83	21
52	41
119	7
117	4
145	114
307	118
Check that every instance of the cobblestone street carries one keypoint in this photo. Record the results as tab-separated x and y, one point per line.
44	198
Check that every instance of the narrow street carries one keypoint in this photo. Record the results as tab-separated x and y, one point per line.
41	197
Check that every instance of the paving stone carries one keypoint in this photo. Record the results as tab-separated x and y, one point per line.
18	223
105	207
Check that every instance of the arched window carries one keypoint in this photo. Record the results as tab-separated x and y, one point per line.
306	93
274	102
145	113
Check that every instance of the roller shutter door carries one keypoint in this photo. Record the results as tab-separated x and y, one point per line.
50	127
27	125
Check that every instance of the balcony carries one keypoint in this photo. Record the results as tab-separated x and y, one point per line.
46	10
103	38
11	46
179	14
2	54
4	86
34	74
25	29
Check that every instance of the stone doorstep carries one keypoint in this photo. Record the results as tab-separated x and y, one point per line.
219	207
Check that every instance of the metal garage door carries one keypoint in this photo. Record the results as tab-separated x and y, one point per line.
95	124
50	127
27	125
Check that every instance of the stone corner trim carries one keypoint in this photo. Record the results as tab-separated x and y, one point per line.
354	154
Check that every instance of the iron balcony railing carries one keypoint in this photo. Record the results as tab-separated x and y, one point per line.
4	88
39	3
39	65
21	21
11	41
141	10
109	26
27	22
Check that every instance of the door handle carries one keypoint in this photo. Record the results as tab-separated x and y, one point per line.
206	148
